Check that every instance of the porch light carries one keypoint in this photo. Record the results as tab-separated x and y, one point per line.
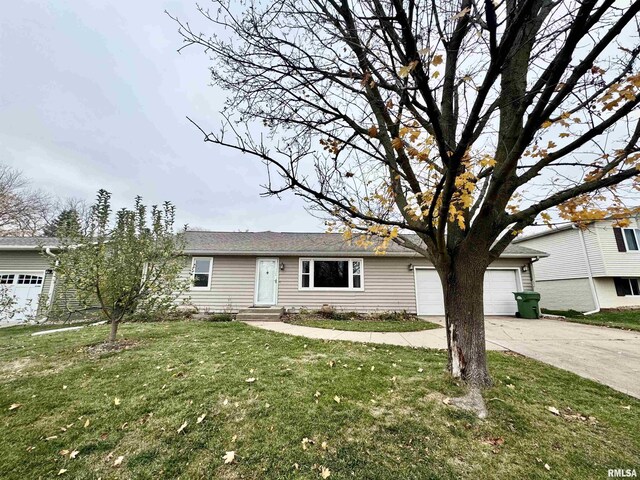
410	267
281	266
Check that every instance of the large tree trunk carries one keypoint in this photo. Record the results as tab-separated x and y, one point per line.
464	312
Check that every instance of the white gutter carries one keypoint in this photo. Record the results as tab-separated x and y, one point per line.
592	286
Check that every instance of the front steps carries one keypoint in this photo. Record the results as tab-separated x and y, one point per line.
260	314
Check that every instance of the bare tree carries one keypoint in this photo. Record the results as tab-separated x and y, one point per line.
460	120
23	209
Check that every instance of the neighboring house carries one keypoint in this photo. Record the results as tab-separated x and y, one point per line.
232	271
26	275
588	269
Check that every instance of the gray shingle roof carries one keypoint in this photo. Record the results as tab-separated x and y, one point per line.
286	243
263	243
28	243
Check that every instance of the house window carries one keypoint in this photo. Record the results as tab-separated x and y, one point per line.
201	272
331	274
632	238
627	286
29	280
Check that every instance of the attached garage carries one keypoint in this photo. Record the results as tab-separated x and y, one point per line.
499	285
24	290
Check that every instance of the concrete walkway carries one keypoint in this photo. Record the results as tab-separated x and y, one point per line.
606	355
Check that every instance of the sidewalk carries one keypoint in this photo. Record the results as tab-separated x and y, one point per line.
434	338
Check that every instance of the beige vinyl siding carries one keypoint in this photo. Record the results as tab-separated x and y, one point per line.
25	261
232	284
388	285
616	264
566	294
566	256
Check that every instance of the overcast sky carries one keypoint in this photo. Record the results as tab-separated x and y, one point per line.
93	95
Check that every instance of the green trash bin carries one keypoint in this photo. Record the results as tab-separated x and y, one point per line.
528	304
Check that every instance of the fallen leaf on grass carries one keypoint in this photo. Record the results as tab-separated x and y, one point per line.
336	399
74	454
325	472
229	456
15	406
118	461
182	427
64	453
546	465
116	401
420	370
511	386
250	380
627	407
201	418
317	394
62	470
52	437
234	438
554	410
324	445
87	423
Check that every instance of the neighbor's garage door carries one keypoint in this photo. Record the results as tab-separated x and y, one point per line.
499	286
21	295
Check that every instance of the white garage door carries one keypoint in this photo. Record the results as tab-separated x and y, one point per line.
499	286
20	295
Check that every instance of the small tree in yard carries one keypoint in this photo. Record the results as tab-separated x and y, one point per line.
461	121
132	265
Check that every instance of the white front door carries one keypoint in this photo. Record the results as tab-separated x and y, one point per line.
266	281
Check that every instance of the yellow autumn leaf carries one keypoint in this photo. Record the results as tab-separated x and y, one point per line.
87	423
201	418
15	406
116	401
74	454
336	399
406	69
396	143
325	472
437	60
182	427
435	74
62	470
118	461
229	456
547	124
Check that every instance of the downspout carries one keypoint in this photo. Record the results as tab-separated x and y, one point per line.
52	287
592	286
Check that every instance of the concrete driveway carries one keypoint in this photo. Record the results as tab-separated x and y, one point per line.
606	355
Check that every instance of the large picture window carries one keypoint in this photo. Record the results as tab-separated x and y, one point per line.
201	272
331	274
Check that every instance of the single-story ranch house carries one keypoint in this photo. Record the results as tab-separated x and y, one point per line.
232	271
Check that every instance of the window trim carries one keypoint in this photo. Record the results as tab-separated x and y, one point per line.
628	279
636	232
312	260
193	272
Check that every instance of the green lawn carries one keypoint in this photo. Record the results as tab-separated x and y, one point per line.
411	325
627	319
390	421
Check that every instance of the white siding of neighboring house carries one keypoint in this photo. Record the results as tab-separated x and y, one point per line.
567	294
609	298
616	264
566	256
388	285
28	261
